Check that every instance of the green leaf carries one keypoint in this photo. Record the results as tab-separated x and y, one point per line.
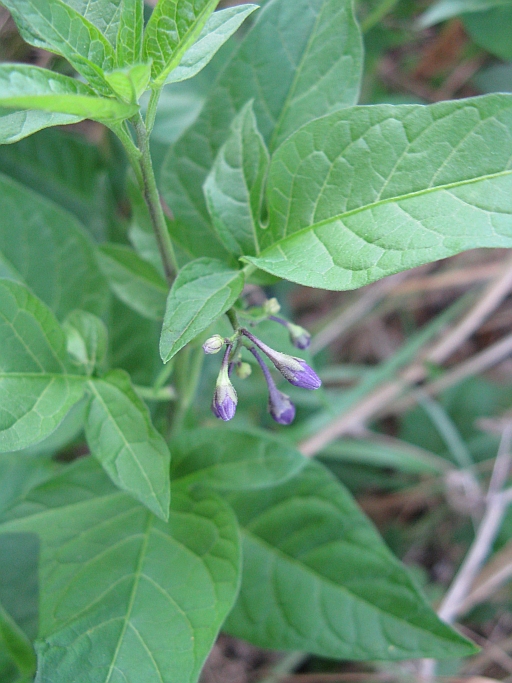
16	125
59	27
136	598
30	87
19	646
19	596
52	253
70	171
202	292
220	26
447	9
129	83
173	28
86	339
130	33
371	191
105	15
22	471
121	436
300	60
491	30
36	390
229	460
135	281
235	185
317	577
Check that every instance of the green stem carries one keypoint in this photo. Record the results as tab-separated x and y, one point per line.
190	366
383	8
153	200
152	394
233	319
151	110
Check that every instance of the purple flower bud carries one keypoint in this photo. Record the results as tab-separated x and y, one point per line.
224	398
294	369
213	344
280	407
299	337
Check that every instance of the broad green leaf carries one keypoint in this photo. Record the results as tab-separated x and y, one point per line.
447	9
19	646
68	170
492	29
135	281
36	388
22	471
317	577
104	14
220	26
371	191
229	460
134	343
86	339
121	436
56	25
234	188
30	87
51	254
130	32
299	61
173	28
124	595
202	292
16	125
129	83
19	598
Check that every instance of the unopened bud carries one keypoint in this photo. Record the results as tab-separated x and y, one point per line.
294	369
280	407
213	344
243	370
299	337
224	398
271	306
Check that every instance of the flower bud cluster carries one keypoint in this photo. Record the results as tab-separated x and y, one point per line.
293	369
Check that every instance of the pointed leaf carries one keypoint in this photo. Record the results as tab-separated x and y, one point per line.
16	642
59	27
123	594
299	61
86	339
129	83
104	14
130	33
36	387
307	537
121	436
16	125
220	26
135	281
52	254
234	187
371	191
202	292
491	30
234	460
173	28
30	87
447	9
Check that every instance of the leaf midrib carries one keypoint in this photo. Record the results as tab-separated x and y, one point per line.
381	202
319	577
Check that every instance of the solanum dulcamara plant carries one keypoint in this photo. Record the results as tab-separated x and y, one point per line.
175	525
